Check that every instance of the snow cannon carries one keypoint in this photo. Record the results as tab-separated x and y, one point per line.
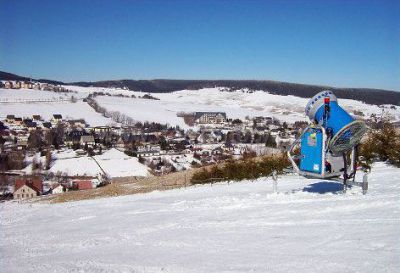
327	148
343	131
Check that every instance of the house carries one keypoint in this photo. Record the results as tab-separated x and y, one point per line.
16	85
18	121
77	123
262	121
102	129
36	117
148	150
10	118
95	182
57	188
74	137
56	118
46	125
8	85
27	188
82	184
25	191
26	120
210	117
22	142
36	86
272	127
43	86
31	125
26	85
87	140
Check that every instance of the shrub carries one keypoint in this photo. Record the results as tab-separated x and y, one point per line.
381	143
249	168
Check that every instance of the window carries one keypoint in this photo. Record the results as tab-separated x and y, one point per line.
22	196
17	195
31	194
23	190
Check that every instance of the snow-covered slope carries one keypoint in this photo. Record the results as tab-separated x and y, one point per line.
27	102
113	162
242	227
117	164
237	104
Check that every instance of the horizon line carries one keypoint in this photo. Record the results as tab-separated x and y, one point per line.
191	79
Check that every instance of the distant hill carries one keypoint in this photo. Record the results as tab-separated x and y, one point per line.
4	76
368	95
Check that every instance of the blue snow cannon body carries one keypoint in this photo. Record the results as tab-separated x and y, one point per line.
343	131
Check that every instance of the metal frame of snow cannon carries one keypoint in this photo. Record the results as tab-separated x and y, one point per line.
328	142
348	168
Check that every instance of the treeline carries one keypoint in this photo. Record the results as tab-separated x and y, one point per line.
145	96
248	168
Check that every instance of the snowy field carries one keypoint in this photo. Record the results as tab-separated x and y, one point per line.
236	104
242	227
21	103
113	162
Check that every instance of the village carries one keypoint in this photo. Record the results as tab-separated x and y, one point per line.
58	153
37	154
32	85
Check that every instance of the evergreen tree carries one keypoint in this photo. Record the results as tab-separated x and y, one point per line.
270	142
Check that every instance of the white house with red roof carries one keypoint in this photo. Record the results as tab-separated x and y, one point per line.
27	188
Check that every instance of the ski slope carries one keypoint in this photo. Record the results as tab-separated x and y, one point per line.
242	227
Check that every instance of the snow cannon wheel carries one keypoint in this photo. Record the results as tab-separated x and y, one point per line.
348	137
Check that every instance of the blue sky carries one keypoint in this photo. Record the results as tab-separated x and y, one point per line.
339	43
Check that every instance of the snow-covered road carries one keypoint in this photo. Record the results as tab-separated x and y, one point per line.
242	227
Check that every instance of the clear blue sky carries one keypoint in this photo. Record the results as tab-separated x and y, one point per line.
339	43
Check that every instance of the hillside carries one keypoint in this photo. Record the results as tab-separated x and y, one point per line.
236	104
24	103
309	226
367	95
5	76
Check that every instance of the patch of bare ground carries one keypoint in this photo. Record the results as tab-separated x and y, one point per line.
128	185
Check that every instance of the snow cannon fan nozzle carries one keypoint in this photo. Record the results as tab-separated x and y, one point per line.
343	130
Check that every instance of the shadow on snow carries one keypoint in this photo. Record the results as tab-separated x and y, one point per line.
324	187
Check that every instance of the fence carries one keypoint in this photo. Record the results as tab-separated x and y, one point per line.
32	100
